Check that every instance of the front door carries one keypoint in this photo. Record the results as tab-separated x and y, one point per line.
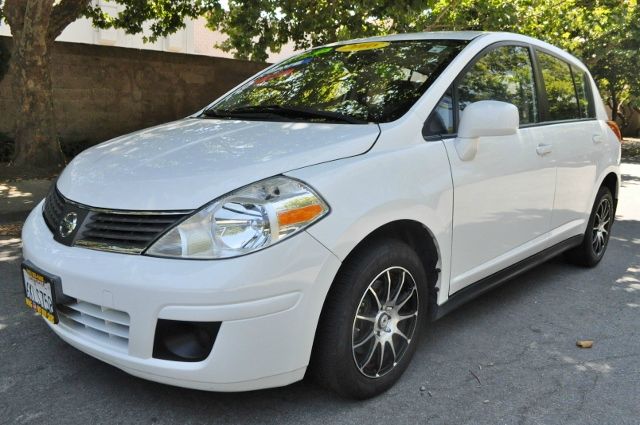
503	197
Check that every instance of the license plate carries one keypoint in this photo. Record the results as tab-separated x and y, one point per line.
40	293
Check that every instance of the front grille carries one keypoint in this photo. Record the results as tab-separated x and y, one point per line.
104	325
125	232
107	230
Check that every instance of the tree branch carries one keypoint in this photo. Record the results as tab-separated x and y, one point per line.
443	12
63	14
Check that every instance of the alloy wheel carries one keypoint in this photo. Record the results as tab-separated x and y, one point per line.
385	322
601	226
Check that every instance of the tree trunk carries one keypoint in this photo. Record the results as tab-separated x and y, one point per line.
615	104
35	24
614	110
36	137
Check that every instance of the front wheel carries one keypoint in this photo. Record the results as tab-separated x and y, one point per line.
372	320
596	237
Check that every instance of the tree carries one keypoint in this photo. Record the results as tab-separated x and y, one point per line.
35	24
611	53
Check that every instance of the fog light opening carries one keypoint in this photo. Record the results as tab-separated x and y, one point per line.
184	341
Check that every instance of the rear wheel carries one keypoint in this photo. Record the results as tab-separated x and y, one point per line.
596	237
372	319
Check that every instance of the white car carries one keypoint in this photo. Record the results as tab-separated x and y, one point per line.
319	215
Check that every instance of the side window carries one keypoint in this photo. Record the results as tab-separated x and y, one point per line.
503	74
440	122
561	92
585	101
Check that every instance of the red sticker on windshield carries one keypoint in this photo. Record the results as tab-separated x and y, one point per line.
277	74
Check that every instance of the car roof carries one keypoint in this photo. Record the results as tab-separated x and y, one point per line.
465	36
431	35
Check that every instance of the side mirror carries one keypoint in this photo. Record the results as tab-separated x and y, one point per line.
487	118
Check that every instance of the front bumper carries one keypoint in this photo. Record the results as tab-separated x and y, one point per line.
268	302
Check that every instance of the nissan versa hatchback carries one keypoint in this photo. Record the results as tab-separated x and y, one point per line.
319	215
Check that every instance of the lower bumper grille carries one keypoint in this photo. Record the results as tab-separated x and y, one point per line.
103	325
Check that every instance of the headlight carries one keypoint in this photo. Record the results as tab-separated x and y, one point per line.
247	220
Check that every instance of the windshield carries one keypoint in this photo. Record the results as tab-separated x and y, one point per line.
356	83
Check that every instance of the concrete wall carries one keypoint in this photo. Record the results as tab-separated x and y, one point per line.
101	92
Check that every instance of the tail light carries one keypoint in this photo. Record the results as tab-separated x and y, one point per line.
616	130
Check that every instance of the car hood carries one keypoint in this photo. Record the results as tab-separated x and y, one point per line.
187	163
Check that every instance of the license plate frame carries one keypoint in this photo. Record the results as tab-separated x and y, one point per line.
40	291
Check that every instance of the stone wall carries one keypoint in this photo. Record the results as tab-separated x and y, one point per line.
101	92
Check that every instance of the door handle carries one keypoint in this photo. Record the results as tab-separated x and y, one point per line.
543	149
597	138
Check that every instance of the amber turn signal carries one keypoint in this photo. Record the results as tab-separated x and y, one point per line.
616	130
300	215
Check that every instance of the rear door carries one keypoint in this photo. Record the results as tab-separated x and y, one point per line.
574	137
503	197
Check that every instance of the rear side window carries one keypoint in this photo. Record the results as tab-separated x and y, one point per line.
585	101
561	91
503	74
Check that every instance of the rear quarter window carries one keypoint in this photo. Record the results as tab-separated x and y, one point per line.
561	92
585	100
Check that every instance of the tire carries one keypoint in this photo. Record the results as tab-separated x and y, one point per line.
344	342
596	237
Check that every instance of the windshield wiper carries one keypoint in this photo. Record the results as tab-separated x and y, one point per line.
280	110
232	113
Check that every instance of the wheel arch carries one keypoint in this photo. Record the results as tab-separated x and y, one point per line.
611	181
413	233
417	236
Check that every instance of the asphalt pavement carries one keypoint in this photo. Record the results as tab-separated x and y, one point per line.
508	357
